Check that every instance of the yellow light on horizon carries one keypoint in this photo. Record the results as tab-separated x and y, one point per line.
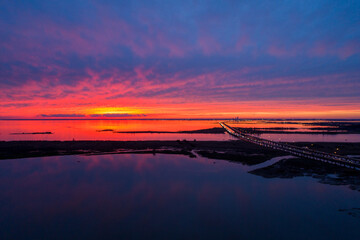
113	110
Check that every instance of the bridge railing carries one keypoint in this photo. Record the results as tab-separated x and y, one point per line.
306	152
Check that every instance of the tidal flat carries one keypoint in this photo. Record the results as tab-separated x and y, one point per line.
235	150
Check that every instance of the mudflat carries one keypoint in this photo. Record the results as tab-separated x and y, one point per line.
233	150
229	150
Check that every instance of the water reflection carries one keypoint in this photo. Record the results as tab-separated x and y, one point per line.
162	197
94	130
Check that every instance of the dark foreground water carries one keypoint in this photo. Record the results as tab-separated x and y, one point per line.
165	197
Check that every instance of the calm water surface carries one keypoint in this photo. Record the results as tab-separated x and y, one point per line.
91	130
165	197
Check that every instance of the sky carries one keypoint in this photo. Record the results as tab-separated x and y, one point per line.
179	59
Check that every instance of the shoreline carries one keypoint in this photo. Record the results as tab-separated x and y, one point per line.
236	151
23	149
228	150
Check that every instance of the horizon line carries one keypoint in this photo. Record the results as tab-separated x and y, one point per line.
189	119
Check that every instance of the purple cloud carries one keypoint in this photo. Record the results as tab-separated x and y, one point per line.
184	50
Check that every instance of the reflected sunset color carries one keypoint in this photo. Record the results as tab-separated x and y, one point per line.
114	196
105	130
168	119
68	130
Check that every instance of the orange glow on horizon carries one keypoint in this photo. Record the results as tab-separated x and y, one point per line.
145	108
112	110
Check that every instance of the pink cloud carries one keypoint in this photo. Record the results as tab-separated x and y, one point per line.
242	42
283	51
349	49
208	44
326	48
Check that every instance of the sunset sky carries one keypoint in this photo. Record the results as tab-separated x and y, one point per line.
179	59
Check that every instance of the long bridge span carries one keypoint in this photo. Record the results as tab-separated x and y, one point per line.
295	150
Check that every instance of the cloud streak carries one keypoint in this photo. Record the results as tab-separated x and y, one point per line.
62	115
77	56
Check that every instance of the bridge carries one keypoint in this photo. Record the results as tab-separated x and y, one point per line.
295	150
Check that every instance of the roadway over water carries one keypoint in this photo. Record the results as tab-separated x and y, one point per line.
295	150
